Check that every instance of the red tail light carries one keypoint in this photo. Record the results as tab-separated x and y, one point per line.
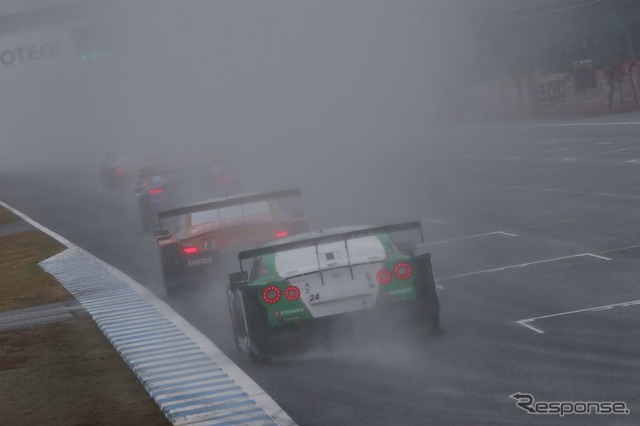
155	191
190	249
383	276
292	293
402	271
271	294
223	180
120	171
282	234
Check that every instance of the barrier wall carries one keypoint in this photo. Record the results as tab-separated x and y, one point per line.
556	95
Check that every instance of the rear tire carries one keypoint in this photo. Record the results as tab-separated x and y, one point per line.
234	319
171	282
253	335
147	223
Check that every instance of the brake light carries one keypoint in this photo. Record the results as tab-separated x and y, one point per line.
271	294
120	171
223	180
383	276
190	249
292	293
282	234
402	271
155	191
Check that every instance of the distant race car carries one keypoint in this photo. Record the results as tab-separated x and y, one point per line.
203	230
308	280
166	186
115	170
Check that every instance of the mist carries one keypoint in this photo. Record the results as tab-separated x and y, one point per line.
273	84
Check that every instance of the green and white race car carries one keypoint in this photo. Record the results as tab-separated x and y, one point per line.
301	281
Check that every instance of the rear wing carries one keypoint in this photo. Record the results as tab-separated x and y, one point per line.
336	236
233	200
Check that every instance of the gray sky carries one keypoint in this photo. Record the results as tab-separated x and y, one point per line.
280	79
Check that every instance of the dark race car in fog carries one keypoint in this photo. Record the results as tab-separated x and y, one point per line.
115	170
308	281
167	186
202	231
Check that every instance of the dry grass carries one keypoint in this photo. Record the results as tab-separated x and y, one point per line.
65	373
69	374
7	217
22	282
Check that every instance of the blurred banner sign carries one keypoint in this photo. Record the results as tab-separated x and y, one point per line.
35	52
546	91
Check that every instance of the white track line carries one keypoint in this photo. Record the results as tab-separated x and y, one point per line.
474	236
618	123
35	224
568	148
525	322
552	190
522	265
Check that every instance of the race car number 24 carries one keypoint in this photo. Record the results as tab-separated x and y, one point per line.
314	297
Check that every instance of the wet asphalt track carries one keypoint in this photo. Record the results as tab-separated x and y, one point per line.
525	222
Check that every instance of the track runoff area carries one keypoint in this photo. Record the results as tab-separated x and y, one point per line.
189	378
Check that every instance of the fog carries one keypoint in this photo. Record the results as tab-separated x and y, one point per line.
269	83
363	104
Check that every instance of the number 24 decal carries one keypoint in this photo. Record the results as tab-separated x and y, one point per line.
314	297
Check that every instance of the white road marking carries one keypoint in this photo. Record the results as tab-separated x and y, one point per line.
567	148
633	161
35	224
506	233
525	322
474	236
618	123
599	257
617	150
556	190
522	265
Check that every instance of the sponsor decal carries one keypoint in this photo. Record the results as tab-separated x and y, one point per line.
399	292
200	262
527	402
287	312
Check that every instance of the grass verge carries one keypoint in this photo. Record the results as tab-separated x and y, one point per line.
65	373
22	282
7	217
69	374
